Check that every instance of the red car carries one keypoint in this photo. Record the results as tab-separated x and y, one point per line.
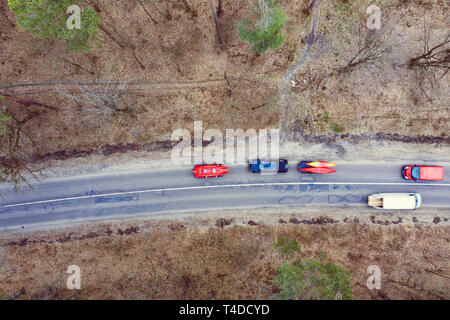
413	172
209	170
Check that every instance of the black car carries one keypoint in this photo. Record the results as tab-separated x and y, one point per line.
268	166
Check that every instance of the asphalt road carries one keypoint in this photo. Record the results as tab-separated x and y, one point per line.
65	200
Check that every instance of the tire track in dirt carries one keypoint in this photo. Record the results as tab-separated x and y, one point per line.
132	87
287	77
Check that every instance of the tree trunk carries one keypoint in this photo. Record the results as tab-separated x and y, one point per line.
216	20
219	9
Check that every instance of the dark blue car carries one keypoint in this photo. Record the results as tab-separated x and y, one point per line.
268	166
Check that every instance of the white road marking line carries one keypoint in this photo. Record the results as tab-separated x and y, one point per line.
226	186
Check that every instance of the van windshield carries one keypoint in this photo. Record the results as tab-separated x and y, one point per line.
415	173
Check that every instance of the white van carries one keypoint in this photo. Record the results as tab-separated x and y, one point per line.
395	200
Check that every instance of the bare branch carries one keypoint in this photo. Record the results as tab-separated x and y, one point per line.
147	13
371	51
25	102
103	97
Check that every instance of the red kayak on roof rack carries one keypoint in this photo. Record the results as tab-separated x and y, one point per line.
321	164
209	170
321	167
318	170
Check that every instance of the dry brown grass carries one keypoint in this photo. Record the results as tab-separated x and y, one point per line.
183	46
180	47
212	263
382	95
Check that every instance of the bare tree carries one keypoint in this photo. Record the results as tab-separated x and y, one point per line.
437	57
151	277
370	51
102	97
432	64
14	167
157	269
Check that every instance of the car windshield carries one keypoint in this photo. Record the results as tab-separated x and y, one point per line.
415	173
255	166
268	166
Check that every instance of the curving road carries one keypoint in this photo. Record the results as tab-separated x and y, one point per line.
66	200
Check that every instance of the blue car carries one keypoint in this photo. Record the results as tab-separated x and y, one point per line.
268	166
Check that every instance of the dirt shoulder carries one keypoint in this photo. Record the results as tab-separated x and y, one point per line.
230	257
147	157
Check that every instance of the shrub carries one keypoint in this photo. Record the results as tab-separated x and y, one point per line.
264	29
5	119
47	19
335	127
287	246
311	279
